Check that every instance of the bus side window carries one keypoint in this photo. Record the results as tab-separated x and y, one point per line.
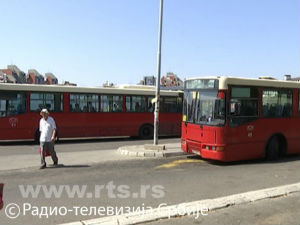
52	101
135	103
179	104
243	105
235	109
117	103
277	103
2	108
104	107
150	104
84	103
12	103
111	103
170	105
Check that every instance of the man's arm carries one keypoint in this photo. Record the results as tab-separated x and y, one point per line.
40	125
54	130
53	135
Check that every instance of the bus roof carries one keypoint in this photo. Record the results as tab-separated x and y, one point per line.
225	81
126	89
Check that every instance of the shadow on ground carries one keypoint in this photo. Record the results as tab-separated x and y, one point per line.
289	158
66	166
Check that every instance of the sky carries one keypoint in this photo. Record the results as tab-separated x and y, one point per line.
89	42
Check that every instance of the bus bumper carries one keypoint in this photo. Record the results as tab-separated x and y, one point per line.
214	152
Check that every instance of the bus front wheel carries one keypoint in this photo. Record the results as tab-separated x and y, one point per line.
146	132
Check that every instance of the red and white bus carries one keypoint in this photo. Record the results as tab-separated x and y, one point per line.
86	111
229	119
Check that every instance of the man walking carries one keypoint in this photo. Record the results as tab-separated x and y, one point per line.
47	137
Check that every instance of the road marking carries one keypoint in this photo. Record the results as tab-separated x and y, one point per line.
178	162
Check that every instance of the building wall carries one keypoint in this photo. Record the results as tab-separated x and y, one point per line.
171	80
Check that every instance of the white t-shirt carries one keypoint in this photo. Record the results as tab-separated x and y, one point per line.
46	129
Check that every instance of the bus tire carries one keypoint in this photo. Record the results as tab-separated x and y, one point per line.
146	131
273	148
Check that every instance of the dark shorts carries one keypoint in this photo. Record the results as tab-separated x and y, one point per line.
49	148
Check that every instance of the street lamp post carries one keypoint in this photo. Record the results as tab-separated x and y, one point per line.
157	94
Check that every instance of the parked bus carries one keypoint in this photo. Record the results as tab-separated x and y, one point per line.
229	119
86	111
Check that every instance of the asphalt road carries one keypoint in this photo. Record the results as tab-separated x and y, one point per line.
150	182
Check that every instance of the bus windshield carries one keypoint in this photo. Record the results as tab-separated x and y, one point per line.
204	107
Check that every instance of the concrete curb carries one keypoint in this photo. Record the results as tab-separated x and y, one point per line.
176	210
167	150
148	153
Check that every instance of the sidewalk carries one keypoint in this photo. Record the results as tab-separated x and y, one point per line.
193	208
281	211
84	158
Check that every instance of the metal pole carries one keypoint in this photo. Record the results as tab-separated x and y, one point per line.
157	94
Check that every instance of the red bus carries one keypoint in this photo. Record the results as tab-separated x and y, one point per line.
86	111
230	119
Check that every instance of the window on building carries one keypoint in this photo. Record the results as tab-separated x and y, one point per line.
84	103
52	101
277	103
12	103
243	105
111	103
135	103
